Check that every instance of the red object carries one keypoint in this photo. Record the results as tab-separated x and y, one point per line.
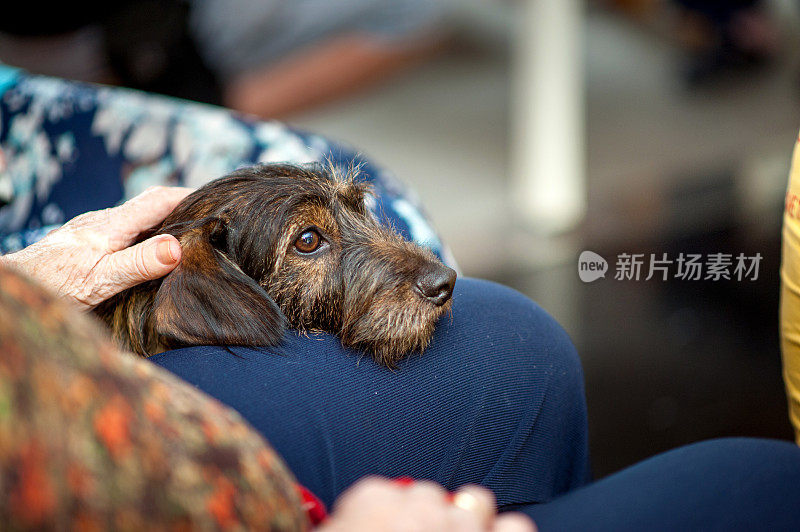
316	511
314	508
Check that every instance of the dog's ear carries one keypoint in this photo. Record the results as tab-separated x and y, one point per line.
209	300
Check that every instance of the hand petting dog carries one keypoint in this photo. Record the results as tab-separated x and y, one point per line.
91	258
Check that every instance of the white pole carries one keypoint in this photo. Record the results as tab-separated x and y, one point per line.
548	168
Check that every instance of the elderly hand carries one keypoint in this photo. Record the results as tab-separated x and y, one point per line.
88	259
378	504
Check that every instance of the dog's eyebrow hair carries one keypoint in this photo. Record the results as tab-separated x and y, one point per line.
352	197
286	201
306	197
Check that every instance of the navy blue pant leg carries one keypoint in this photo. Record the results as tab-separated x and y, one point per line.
497	399
727	484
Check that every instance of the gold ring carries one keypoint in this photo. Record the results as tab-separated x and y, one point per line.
466	501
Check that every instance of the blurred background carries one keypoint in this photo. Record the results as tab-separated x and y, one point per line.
531	130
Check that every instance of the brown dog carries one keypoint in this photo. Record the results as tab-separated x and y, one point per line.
272	245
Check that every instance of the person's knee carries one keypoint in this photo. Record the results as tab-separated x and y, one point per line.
531	363
516	329
760	454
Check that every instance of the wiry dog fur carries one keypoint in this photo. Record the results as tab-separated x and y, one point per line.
276	245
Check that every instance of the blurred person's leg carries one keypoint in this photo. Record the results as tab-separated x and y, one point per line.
726	484
269	57
323	72
278	56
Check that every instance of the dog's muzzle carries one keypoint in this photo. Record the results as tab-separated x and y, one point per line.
436	284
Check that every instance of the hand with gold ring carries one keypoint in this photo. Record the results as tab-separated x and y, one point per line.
379	504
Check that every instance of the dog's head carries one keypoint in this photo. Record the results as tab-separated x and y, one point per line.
277	244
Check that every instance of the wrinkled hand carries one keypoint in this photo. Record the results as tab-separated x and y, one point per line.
377	504
88	259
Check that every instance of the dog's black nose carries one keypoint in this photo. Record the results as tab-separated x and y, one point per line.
436	284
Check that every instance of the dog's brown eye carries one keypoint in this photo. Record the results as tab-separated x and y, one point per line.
308	242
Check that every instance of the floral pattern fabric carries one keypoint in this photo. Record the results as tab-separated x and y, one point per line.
72	147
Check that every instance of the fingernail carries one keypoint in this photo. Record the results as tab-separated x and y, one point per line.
168	251
403	481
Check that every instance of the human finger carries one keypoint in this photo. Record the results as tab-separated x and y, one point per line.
477	503
148	260
143	212
367	491
427	490
425	506
514	522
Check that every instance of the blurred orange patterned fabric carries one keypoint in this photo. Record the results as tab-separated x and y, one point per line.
790	292
95	439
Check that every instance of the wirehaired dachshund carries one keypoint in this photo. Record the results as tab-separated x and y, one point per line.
279	245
